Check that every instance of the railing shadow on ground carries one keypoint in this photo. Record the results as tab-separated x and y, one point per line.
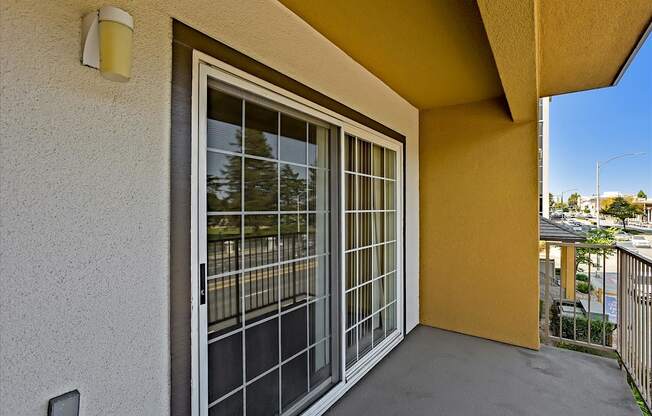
600	299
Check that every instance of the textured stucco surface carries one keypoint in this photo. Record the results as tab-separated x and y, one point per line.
480	168
434	53
584	43
84	176
511	27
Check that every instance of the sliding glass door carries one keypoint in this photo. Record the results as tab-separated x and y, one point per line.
267	250
296	236
371	246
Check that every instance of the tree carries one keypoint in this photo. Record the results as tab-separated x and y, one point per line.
574	201
551	200
623	210
641	194
602	236
223	186
561	206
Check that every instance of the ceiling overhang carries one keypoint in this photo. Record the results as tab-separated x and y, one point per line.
449	52
587	44
512	32
432	53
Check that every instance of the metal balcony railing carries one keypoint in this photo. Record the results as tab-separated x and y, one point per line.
601	297
635	319
259	263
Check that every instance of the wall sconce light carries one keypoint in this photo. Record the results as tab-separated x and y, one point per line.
107	37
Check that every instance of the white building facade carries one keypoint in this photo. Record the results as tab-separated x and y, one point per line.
544	151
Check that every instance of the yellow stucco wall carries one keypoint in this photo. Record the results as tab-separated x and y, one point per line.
583	44
568	271
511	27
478	239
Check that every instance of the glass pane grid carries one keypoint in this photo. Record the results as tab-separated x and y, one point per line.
270	159
280	263
386	179
375	279
267	210
370	252
390	306
384	243
272	369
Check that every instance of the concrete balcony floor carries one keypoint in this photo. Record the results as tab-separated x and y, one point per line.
435	372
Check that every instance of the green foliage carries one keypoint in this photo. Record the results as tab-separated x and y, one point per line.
641	194
587	256
573	200
638	397
623	210
587	211
586	350
581	277
561	205
224	187
293	189
584	287
260	178
581	325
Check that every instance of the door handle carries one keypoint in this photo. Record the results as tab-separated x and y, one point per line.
202	284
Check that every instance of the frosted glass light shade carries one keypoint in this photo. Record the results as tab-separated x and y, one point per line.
116	39
107	39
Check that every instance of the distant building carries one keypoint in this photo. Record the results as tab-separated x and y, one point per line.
589	203
646	205
544	140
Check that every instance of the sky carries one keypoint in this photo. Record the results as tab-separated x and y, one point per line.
596	125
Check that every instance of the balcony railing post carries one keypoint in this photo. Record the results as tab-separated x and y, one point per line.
588	336
604	298
619	308
546	293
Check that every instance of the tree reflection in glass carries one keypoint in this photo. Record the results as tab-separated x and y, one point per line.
261	131
223	182
293	188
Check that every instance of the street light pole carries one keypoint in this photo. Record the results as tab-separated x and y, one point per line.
597	178
597	190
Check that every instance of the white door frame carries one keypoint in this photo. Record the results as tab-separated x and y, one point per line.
203	67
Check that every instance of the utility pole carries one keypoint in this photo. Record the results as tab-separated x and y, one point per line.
597	190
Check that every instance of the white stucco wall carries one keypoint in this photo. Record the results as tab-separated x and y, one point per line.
84	183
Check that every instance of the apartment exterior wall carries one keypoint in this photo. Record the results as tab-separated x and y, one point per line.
544	156
479	265
85	171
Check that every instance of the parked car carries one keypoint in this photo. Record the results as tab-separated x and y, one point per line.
575	225
622	236
640	241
